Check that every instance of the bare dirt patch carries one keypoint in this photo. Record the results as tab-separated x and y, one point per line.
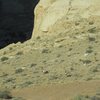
58	91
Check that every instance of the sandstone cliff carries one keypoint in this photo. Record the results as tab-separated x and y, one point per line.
56	16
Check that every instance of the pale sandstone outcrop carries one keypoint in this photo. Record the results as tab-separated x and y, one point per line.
51	15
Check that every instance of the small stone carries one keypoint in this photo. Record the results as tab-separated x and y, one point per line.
45	71
68	74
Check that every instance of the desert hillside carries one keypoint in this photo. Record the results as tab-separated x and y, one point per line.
62	59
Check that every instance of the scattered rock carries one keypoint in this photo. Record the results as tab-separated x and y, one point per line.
45	71
94	98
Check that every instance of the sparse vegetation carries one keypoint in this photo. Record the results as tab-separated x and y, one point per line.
19	53
86	61
53	77
9	80
91	39
89	51
4	58
46	50
91	23
45	71
26	84
92	30
62	58
79	97
86	97
5	95
38	37
33	65
20	70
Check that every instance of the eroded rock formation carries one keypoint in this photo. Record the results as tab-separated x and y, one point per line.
54	16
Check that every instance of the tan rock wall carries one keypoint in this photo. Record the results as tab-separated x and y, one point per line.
49	13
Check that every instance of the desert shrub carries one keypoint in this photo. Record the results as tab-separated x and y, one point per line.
26	84
45	50
20	70
85	61
33	64
38	37
91	38
89	51
19	53
79	97
4	58
92	30
5	95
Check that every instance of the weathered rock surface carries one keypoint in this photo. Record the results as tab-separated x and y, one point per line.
55	16
16	20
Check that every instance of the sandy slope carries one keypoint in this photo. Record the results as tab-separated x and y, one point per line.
71	54
60	59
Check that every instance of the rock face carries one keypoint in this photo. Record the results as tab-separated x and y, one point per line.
54	16
16	20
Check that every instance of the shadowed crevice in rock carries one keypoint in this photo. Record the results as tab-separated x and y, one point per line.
16	21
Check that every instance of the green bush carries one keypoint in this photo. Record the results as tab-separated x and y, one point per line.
4	58
5	95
